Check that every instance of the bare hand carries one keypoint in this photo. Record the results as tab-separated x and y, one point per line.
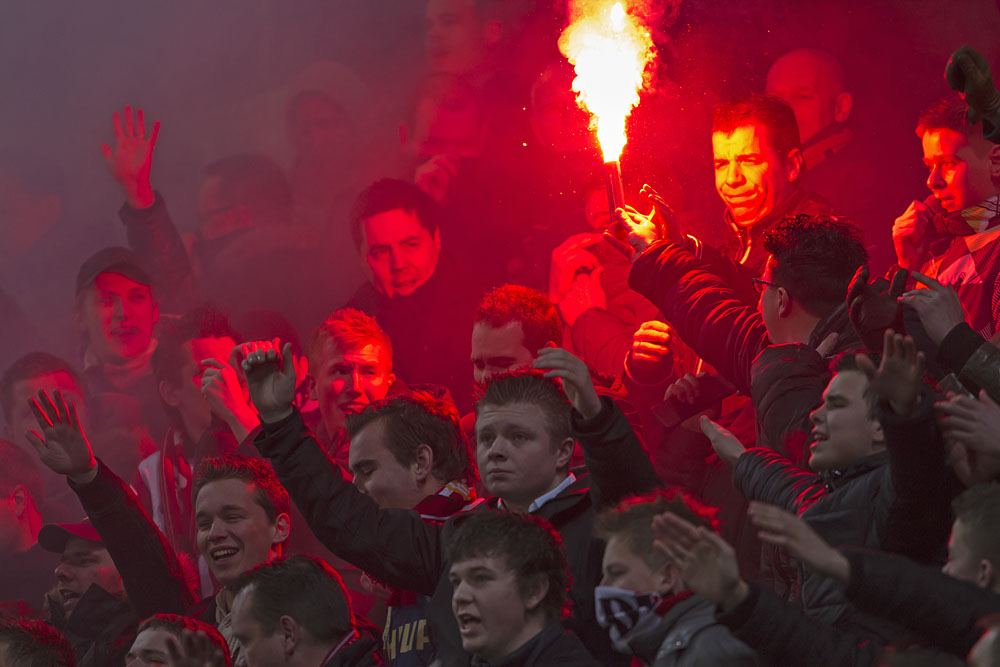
194	649
972	467
874	307
911	236
131	160
569	260
575	377
662	216
650	360
791	532
642	228
62	445
270	378
685	389
220	385
436	175
975	424
899	375
938	306
585	293
707	564
723	442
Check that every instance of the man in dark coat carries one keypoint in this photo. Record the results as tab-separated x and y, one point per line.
525	431
870	464
415	291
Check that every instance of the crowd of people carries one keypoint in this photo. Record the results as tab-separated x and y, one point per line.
575	437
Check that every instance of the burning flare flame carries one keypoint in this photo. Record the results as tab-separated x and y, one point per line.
609	49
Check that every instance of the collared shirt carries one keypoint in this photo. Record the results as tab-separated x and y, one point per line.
538	502
346	641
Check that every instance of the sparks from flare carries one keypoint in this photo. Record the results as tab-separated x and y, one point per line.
609	49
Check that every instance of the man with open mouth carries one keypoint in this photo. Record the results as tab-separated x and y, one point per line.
88	605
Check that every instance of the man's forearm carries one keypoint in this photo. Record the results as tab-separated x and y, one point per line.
150	570
616	461
395	546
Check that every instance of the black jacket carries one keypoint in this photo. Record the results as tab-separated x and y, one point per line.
430	329
787	383
702	299
101	628
853	506
972	358
938	609
150	570
783	635
398	548
552	647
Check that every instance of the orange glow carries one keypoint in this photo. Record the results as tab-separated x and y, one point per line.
610	49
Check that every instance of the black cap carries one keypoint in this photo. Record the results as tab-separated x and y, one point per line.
54	536
111	260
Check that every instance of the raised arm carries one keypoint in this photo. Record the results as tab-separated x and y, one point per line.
395	546
150	570
913	517
617	463
150	230
708	315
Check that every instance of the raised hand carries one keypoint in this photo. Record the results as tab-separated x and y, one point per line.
662	216
874	307
972	467
973	423
220	385
584	293
786	530
900	373
62	445
270	374
131	159
436	176
194	649
968	72
938	306
706	563
685	389
575	377
570	259
650	360
911	235
723	442
642	231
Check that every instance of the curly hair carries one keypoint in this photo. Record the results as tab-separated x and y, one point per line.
814	259
515	303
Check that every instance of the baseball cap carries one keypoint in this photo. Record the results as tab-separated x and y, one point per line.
54	536
114	259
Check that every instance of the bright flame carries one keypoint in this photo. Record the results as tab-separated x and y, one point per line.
610	49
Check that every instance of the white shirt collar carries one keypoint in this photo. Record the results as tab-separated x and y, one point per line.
546	497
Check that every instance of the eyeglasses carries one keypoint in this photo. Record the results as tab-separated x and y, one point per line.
760	285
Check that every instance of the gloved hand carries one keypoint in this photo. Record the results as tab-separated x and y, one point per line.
968	72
